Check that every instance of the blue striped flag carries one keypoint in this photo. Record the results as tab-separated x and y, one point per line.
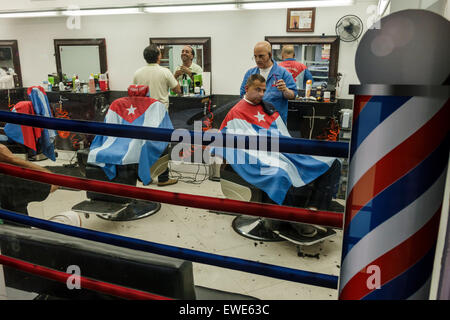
272	172
34	138
107	152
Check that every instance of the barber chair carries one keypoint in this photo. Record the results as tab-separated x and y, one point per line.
263	229
116	208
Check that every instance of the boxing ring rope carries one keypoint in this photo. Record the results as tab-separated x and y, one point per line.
264	269
286	144
86	283
325	218
266	210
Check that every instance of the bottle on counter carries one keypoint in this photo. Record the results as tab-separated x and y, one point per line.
91	84
185	88
77	85
308	88
74	78
319	94
61	86
103	82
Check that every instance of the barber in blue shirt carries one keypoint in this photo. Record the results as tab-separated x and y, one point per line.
280	86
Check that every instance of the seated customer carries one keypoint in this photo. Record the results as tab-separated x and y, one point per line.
280	175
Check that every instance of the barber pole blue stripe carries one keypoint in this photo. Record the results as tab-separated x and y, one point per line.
372	115
394	229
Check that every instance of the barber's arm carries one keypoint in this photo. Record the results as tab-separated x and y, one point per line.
7	156
287	93
177	89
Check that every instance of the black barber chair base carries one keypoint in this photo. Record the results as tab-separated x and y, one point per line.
112	211
255	229
293	236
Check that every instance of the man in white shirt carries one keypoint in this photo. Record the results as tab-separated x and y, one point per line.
189	68
157	78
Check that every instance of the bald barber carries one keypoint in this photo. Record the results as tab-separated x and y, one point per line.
280	85
293	66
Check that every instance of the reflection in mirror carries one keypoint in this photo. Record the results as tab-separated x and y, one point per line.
318	54
71	57
80	57
10	73
171	56
171	51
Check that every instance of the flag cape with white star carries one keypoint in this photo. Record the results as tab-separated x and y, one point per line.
272	172
107	152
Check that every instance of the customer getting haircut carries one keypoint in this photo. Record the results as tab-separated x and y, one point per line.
253	78
151	53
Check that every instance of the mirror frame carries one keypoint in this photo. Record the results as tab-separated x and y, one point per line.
333	40
205	41
100	42
16	59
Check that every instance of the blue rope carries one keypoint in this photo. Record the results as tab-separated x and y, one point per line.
287	145
312	278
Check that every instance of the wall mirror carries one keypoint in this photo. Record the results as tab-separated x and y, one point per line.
9	59
80	57
319	53
171	54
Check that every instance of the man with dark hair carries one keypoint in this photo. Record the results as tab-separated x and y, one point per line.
158	79
280	84
188	68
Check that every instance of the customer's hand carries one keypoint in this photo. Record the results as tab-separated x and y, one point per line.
5	154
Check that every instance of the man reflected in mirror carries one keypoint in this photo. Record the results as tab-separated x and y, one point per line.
293	66
188	68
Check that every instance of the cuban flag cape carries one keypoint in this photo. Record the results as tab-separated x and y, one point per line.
272	172
34	137
107	152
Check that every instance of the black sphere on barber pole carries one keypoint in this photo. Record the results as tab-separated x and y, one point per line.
408	47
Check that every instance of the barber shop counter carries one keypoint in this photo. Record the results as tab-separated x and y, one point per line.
309	119
183	111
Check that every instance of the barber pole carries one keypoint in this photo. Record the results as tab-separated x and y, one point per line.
398	162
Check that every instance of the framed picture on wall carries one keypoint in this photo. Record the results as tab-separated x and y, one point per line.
300	19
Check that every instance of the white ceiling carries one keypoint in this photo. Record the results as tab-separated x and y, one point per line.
30	5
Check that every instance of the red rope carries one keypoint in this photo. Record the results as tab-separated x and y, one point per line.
324	218
86	283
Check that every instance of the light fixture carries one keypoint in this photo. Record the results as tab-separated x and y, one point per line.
382	6
220	6
295	4
192	8
99	12
29	14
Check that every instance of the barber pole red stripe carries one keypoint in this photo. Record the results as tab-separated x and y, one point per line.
396	183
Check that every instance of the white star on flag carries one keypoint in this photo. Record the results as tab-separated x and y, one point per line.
260	117
131	110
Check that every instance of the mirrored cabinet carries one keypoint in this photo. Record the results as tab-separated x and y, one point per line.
319	53
80	57
10	72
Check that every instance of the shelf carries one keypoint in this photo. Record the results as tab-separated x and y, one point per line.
317	62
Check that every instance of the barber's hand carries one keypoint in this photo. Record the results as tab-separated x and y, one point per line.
185	70
281	85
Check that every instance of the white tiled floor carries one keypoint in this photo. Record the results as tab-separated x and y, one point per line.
210	232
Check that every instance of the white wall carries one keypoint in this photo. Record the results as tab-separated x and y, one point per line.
233	35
